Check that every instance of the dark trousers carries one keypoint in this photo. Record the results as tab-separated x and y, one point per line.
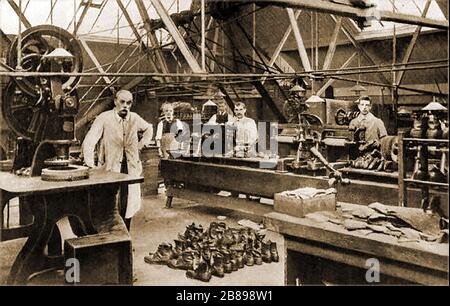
123	194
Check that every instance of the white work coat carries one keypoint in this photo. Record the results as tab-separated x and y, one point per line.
118	136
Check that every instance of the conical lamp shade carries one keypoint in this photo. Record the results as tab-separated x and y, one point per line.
315	99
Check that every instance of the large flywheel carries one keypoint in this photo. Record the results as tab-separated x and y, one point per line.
26	100
37	42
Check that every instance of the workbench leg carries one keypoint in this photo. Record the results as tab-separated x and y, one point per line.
31	258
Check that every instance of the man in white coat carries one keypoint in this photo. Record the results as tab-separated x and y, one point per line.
118	130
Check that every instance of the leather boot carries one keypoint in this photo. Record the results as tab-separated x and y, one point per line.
202	272
249	260
180	246
227	265
185	261
161	256
217	266
257	257
274	252
265	252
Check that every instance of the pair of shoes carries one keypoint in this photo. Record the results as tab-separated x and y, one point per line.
162	256
202	272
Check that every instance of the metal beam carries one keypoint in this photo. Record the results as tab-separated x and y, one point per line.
176	35
94	60
324	6
19	13
283	40
298	38
443	5
151	36
331	81
362	51
332	45
138	37
412	44
83	14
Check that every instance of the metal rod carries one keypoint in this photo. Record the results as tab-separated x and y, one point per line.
19	41
203	33
212	75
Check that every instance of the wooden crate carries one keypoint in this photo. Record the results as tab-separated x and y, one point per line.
104	258
301	207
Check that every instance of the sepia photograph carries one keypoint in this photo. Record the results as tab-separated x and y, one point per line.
224	148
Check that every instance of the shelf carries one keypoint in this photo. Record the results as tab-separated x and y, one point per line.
428	183
426	140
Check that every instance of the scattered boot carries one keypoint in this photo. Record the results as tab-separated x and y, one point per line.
257	257
265	252
202	272
249	260
206	255
227	238
274	252
161	256
227	265
185	261
234	262
180	246
239	255
217	266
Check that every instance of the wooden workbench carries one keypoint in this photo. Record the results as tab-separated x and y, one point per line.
190	178
92	200
327	253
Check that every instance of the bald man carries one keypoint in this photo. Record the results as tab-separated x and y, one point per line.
118	128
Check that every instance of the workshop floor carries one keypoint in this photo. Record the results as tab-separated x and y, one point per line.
155	224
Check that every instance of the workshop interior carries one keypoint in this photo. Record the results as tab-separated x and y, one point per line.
229	143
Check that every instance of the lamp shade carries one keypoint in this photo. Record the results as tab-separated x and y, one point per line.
358	88
434	106
314	99
59	53
297	88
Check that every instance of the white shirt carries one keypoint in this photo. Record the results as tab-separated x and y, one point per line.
159	128
118	136
246	131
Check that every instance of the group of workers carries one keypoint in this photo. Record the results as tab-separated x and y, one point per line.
118	130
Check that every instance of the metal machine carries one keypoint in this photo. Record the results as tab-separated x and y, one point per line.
41	110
